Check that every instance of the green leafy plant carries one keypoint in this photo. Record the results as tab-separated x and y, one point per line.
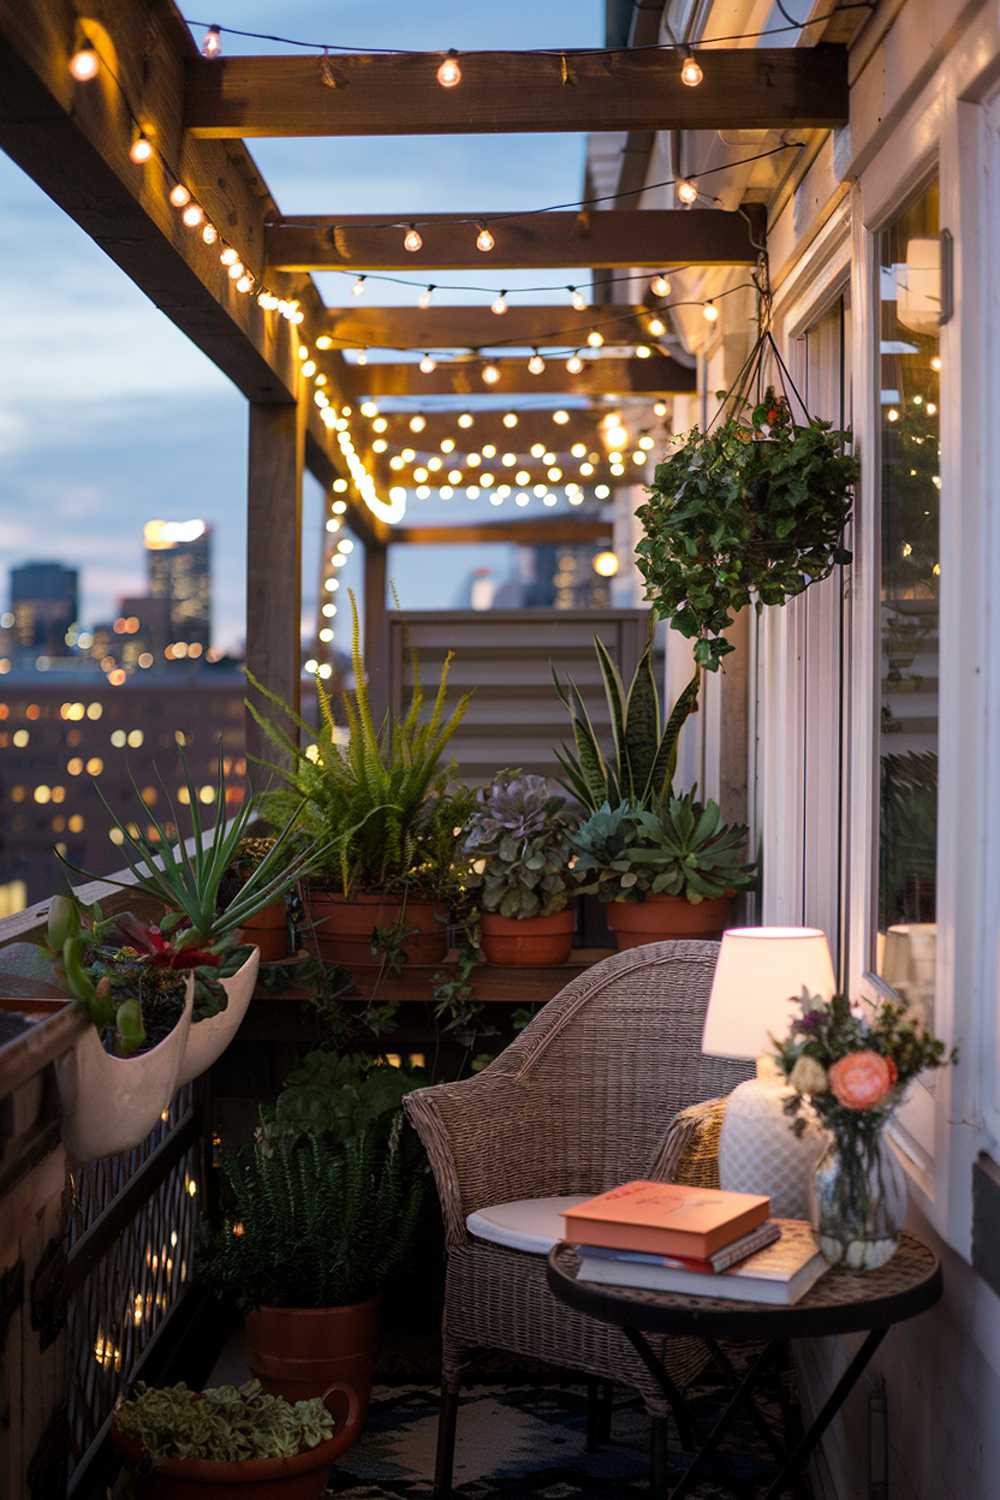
337	1097
641	768
70	932
625	853
377	797
518	843
226	1423
187	881
752	511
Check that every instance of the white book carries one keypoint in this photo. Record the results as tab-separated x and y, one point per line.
779	1275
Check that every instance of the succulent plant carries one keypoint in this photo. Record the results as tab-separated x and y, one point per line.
226	1423
625	853
518	842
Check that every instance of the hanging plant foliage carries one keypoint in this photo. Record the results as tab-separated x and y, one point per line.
750	512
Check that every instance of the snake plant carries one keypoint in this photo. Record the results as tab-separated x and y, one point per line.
641	768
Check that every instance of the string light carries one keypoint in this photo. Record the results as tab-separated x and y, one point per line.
84	63
536	364
427	365
245	284
643	351
710	312
413	240
560	417
691	73
595	338
936	362
210	234
574	364
686	190
211	44
449	73
193	215
660	286
466	419
267	300
484	239
418	423
510	419
425	297
657	327
499	306
359	286
660	409
491	374
179	195
576	299
141	148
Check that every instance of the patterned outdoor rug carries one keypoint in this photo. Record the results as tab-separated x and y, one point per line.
520	1440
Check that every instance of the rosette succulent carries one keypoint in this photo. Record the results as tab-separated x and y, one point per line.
518	841
624	853
227	1423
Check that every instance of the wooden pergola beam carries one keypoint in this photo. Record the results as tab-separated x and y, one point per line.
616	238
376	94
478	328
657	376
527	533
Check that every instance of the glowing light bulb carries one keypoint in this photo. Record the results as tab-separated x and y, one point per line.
466	419
560	417
484	239
324	341
657	327
211	44
936	362
308	365
228	257
595	338
686	190
244	284
892	415
209	234
536	364
447	445
84	63
660	409
179	195
691	73
193	215
418	423
413	240
489	450
579	450
141	149
425	297
510	419
660	286
646	442
574	364
359	286
576	298
427	365
642	351
490	374
605	564
362	356
710	312
449	73
369	409
499	306
268	301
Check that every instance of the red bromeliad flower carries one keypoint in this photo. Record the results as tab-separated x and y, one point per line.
159	950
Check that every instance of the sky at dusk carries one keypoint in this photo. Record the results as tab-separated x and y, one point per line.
109	416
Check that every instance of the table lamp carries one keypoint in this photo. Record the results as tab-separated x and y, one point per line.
758	980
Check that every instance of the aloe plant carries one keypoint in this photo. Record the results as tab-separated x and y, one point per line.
376	795
626	853
641	768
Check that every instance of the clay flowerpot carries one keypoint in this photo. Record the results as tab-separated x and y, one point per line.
299	1352
636	922
208	1039
110	1104
343	929
268	930
526	942
303	1477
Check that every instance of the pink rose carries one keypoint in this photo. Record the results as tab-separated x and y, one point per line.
860	1080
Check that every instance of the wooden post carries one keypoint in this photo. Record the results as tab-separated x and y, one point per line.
376	630
274	552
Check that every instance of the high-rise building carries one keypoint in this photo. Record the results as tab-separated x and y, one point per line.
179	569
45	602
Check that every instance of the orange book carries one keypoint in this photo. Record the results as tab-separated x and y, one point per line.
665	1218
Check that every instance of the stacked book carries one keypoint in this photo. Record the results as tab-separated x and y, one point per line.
664	1237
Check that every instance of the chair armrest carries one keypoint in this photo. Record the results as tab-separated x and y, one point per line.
689	1151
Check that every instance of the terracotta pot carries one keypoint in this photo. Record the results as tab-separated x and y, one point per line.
343	929
303	1477
527	942
298	1352
636	922
268	930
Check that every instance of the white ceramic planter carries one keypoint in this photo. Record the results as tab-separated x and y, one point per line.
110	1103
208	1039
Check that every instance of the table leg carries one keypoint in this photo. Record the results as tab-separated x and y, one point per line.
742	1393
763	1426
674	1395
799	1455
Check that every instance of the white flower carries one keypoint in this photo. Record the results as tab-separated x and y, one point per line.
808	1076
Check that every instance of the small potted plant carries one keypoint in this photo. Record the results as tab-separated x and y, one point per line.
379	798
665	874
518	843
205	1445
321	1209
853	1066
267	929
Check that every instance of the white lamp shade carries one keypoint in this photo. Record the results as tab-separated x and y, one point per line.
758	980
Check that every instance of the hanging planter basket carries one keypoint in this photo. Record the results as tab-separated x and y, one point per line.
750	511
208	1039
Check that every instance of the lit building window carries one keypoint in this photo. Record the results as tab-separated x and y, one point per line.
76	823
94	710
21	738
74	766
135	738
116	836
95	765
118	738
43	794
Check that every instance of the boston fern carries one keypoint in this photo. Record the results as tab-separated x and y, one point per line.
518	841
752	511
641	768
625	853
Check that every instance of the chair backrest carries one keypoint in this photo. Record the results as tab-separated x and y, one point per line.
616	1054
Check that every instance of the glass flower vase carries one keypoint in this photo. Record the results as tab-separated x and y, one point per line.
859	1197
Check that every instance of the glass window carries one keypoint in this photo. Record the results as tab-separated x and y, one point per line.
910	502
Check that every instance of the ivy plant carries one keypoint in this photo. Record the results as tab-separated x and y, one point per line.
751	511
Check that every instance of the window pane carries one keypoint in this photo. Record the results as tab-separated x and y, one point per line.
910	304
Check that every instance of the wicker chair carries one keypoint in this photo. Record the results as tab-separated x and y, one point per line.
607	1083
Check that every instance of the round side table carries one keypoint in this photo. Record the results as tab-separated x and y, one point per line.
867	1302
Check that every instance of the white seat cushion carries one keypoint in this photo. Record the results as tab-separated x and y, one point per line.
531	1224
